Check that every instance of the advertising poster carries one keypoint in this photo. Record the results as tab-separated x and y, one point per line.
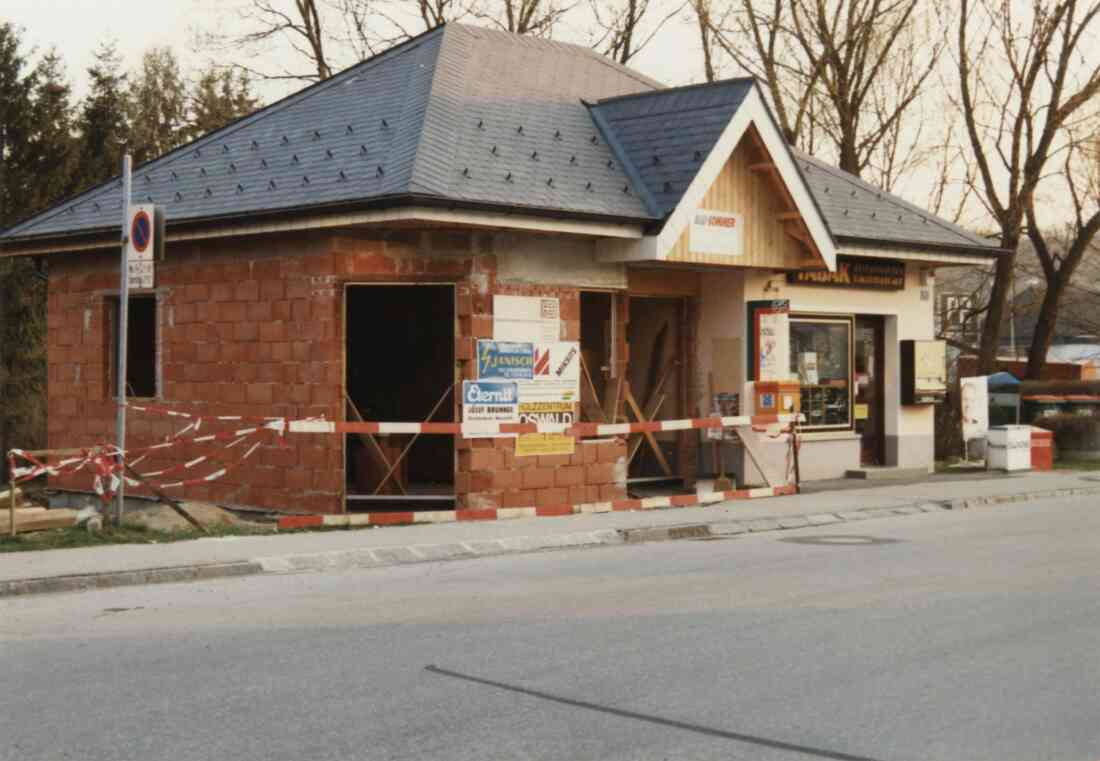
715	232
526	318
531	444
505	360
489	401
975	407
556	374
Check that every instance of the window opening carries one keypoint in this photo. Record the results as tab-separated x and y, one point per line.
141	346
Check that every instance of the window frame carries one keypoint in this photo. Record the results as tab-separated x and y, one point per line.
832	319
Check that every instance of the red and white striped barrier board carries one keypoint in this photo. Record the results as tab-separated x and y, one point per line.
502	513
579	430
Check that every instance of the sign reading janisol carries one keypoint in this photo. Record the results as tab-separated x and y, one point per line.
716	232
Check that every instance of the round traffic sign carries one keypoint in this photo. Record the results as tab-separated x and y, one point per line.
141	231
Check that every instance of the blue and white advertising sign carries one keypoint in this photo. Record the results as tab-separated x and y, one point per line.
490	401
505	360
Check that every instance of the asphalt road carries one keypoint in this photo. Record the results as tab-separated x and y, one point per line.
962	636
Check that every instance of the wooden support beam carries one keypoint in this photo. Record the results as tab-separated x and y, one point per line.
762	166
788	216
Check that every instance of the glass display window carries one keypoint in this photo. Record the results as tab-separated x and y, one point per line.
821	355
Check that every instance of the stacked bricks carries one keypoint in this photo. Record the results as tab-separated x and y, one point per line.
254	327
491	476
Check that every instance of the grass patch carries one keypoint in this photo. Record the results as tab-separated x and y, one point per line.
78	536
1076	464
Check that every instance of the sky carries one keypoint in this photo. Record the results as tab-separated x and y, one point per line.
76	27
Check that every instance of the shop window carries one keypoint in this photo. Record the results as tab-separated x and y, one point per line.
141	347
821	354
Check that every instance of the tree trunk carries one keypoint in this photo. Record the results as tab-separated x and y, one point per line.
994	317
1044	329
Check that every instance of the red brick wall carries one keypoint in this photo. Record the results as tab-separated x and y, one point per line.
254	327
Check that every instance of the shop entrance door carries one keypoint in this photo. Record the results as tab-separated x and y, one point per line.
869	410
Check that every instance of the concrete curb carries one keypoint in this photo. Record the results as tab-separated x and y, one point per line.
378	557
82	582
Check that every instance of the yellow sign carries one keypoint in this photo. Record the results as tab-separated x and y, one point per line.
861	411
531	444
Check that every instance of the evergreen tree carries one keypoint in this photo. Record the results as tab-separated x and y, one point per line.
102	123
54	146
220	97
22	295
157	106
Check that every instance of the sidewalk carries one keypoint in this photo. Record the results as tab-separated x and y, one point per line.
117	565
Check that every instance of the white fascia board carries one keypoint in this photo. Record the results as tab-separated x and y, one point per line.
754	112
934	258
492	220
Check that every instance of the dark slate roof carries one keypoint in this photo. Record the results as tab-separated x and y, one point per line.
460	114
466	115
666	135
857	210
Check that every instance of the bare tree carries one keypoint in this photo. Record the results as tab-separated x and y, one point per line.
622	27
300	24
851	70
1024	81
535	17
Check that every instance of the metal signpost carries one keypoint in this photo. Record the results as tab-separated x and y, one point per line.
123	329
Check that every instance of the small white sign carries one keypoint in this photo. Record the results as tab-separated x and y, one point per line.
716	232
975	407
526	318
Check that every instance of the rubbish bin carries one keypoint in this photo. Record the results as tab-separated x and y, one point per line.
1008	447
1042	449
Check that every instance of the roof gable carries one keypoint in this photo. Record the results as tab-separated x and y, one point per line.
666	135
677	143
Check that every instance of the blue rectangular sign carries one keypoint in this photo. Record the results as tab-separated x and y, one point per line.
505	360
490	393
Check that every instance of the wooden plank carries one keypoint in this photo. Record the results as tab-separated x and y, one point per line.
40	522
762	166
649	436
761	198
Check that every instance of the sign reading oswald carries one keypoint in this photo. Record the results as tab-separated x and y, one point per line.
856	272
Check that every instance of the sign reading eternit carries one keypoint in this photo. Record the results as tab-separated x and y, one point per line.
715	232
490	401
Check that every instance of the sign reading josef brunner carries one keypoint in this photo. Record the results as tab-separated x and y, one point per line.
853	272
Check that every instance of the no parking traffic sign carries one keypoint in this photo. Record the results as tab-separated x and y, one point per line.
141	242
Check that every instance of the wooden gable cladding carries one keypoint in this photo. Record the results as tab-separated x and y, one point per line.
773	233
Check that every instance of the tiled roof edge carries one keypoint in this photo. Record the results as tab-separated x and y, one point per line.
632	173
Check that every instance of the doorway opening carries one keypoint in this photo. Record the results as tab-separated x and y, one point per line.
655	385
597	330
399	367
868	410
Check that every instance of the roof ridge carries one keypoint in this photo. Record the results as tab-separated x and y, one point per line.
619	67
231	128
678	88
892	198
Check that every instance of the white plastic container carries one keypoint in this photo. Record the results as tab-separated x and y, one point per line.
1008	447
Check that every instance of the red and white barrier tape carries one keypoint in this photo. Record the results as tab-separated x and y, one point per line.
502	513
575	429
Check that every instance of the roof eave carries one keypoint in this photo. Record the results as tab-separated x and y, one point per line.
33	245
961	249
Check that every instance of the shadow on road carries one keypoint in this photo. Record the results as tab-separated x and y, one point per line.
710	731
